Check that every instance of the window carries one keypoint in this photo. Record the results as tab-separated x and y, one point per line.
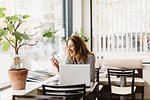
49	14
121	28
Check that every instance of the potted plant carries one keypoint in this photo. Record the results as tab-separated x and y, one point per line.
11	37
80	34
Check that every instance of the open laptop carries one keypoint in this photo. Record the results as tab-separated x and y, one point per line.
71	74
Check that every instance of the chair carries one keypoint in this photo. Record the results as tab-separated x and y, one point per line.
97	80
99	92
123	90
70	92
35	97
97	75
127	63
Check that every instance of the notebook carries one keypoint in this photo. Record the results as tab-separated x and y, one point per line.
71	74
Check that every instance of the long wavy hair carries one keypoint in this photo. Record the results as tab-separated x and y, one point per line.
80	48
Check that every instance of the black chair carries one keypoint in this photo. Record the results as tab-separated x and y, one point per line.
97	80
70	92
97	75
125	90
99	92
35	97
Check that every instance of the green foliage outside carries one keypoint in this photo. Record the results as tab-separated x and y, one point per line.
81	34
49	33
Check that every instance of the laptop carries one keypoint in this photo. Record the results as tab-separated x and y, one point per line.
71	74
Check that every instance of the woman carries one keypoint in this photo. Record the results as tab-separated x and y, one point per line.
77	53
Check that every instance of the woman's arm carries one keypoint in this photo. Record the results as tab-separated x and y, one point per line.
91	61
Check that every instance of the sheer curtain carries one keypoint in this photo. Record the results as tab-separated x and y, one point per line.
121	28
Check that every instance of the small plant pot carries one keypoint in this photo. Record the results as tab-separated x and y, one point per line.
18	78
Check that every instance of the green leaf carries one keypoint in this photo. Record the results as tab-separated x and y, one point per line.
24	21
85	39
25	36
6	45
15	18
20	41
2	14
8	18
2	9
25	16
20	36
10	27
48	34
38	27
11	40
81	30
6	21
17	35
81	34
3	32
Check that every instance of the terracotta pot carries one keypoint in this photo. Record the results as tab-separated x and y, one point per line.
18	78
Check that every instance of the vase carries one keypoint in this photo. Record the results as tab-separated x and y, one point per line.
18	78
17	75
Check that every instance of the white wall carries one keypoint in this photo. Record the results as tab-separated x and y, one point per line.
86	19
77	14
81	17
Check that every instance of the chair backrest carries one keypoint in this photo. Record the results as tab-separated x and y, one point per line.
97	75
120	73
35	97
68	91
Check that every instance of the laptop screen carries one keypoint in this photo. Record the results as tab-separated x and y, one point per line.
71	74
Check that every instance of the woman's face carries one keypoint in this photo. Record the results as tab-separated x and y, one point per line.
71	48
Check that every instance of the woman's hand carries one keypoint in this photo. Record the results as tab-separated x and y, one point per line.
55	63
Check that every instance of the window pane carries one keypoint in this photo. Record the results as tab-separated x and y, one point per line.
45	13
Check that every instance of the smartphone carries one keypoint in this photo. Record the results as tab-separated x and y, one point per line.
55	58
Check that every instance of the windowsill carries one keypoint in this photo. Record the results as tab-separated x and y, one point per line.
4	85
